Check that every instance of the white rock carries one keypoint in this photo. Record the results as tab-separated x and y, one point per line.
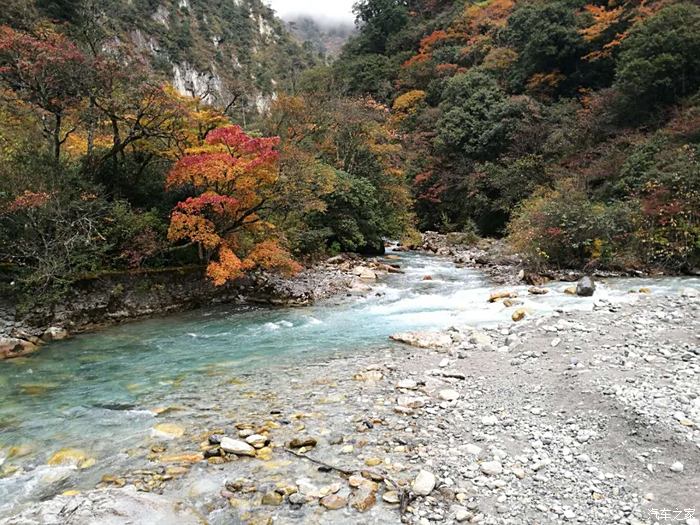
491	468
256	440
480	338
690	292
424	483
472	449
449	395
676	467
410	401
489	421
461	514
433	340
55	333
518	472
236	446
408	384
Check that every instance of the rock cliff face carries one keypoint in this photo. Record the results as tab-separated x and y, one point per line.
220	51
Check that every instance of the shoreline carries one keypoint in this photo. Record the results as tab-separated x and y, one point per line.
574	417
102	303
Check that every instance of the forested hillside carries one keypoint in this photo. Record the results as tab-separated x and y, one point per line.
221	50
140	135
143	135
571	127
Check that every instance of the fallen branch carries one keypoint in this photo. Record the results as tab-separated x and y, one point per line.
319	462
405	495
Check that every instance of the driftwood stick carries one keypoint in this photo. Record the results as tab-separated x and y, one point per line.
319	462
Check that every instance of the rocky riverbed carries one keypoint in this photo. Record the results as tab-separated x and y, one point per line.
584	417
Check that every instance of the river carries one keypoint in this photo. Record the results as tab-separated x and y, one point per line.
96	392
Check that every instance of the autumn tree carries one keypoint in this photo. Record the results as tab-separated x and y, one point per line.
233	181
46	70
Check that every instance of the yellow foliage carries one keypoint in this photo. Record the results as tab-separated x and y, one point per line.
408	101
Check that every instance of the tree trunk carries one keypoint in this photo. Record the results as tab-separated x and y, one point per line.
57	137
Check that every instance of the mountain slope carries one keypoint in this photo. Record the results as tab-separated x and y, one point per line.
218	50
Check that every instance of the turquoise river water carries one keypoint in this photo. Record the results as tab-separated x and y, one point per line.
94	391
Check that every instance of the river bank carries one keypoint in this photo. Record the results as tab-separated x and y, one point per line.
584	413
123	297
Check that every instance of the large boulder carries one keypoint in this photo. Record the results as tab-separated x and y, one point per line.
55	333
106	507
585	287
12	347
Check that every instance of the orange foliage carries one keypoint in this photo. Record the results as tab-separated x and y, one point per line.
233	177
603	18
622	18
480	20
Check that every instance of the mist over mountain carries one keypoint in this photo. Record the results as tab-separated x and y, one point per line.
326	35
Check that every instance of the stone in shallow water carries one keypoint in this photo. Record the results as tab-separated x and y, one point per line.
237	447
168	431
110	506
333	502
272	498
71	457
585	287
519	315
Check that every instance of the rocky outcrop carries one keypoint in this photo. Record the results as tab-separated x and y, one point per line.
14	347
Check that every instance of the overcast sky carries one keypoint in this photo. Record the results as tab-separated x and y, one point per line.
335	10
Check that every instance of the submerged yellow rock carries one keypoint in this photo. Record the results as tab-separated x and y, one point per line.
264	454
72	457
37	389
18	451
70	493
168	430
519	315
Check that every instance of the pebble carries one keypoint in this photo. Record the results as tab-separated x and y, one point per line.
491	468
489	421
408	384
424	483
391	497
333	502
449	395
256	440
676	467
237	447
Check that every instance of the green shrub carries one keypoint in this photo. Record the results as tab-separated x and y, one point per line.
563	228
